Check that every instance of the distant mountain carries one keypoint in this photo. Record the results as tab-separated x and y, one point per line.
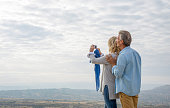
159	95
156	96
63	93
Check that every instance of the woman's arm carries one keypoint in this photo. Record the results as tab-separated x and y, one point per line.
94	60
100	60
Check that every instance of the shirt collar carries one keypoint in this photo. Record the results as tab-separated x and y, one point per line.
124	49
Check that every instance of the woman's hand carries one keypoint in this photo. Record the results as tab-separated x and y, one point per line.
99	51
91	48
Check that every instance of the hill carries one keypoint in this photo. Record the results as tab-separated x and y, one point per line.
159	95
63	93
156	96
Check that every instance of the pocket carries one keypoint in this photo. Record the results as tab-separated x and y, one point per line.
121	95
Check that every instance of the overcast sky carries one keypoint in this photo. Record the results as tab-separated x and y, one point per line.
45	42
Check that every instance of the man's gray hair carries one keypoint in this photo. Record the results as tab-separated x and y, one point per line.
126	37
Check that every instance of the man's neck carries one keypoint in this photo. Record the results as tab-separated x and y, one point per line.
122	47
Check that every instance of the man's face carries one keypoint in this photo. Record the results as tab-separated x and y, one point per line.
119	42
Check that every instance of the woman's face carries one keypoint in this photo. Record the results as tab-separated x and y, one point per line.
111	43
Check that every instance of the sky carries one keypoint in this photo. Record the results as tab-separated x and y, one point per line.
44	43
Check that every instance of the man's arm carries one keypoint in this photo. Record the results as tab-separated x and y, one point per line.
118	69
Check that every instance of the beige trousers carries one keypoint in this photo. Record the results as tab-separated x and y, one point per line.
128	101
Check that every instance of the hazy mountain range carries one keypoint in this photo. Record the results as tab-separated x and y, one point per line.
159	95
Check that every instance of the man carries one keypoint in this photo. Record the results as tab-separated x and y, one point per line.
127	69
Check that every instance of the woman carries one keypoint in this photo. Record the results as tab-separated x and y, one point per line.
107	85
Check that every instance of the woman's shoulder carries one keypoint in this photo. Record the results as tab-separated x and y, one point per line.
113	54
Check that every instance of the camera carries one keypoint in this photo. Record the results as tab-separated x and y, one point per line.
95	46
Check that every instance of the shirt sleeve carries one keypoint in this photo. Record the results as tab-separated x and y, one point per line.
102	54
118	70
90	53
100	60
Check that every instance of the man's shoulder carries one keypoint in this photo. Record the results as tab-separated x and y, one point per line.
135	52
129	51
132	50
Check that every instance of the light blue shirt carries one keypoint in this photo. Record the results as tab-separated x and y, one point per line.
128	72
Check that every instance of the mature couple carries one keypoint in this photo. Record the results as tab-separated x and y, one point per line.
121	75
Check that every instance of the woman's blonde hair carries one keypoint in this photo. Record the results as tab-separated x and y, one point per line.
113	45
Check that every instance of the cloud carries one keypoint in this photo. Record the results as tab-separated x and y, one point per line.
51	39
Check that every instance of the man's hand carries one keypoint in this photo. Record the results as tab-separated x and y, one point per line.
111	60
92	48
